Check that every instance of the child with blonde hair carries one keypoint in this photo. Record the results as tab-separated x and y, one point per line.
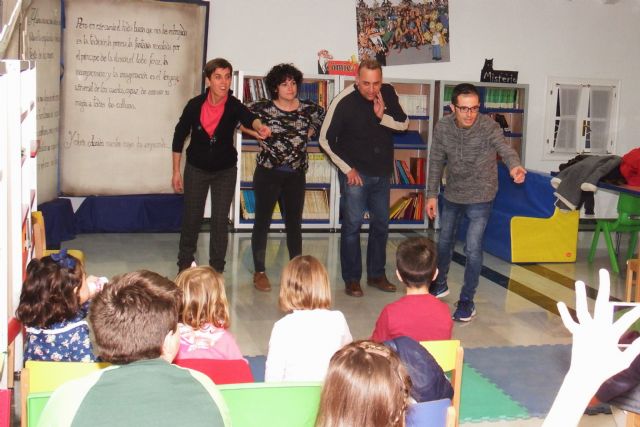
303	341
204	316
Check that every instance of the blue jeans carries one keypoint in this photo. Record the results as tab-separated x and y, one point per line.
373	196
450	216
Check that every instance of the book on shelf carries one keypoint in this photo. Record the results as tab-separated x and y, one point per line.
497	97
248	159
403	173
414	105
417	168
316	91
409	207
319	171
248	206
316	205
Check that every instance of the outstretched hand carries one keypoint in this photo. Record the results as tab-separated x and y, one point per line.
595	355
595	350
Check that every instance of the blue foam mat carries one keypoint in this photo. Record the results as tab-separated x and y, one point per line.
530	375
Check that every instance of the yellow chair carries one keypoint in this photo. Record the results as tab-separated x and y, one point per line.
449	354
42	377
40	239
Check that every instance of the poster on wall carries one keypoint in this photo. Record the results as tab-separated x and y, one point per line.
399	32
42	44
129	69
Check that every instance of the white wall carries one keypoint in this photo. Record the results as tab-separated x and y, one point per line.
539	38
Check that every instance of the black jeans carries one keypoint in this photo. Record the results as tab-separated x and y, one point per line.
196	187
269	187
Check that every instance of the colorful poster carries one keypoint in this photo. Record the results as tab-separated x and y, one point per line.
399	32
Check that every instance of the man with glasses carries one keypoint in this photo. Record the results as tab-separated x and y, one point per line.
467	143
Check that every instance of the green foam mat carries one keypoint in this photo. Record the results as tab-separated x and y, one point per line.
482	400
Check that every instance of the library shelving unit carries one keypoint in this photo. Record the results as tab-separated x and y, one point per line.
18	168
321	176
506	103
408	184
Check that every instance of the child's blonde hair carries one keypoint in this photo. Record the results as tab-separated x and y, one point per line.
204	299
304	285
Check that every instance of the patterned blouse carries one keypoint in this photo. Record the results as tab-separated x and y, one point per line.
287	145
66	341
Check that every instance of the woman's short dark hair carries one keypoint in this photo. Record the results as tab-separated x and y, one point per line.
279	74
50	291
214	64
463	89
130	318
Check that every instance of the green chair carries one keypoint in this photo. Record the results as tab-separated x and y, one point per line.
272	404
628	222
35	405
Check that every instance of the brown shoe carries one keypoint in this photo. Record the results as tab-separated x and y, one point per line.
261	281
353	289
381	283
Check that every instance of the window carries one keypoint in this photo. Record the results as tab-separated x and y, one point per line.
582	116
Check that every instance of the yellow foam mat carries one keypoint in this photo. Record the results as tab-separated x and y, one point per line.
553	239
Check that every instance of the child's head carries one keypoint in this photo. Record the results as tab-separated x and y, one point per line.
135	317
51	292
304	285
416	260
366	385
203	297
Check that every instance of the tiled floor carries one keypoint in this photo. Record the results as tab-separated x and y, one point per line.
515	303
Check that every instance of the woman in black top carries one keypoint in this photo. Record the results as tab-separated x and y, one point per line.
282	163
211	119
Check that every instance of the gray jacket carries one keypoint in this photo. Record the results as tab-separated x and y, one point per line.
470	156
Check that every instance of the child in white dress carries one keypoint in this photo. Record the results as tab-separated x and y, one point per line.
303	341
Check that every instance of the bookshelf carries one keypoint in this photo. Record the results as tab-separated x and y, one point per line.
321	176
408	183
506	103
18	169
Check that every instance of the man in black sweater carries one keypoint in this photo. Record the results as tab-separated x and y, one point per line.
357	136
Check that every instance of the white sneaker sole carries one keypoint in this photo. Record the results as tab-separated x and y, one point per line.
443	294
465	319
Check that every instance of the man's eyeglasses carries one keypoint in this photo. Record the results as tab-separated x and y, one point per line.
467	110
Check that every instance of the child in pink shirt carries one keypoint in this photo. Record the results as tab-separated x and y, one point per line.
204	316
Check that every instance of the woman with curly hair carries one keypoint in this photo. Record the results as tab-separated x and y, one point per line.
282	163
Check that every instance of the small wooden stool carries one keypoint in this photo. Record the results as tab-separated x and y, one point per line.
633	278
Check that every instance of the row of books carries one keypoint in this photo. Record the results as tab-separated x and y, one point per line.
409	207
319	92
414	105
255	90
500	98
319	171
494	97
316	205
412	173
